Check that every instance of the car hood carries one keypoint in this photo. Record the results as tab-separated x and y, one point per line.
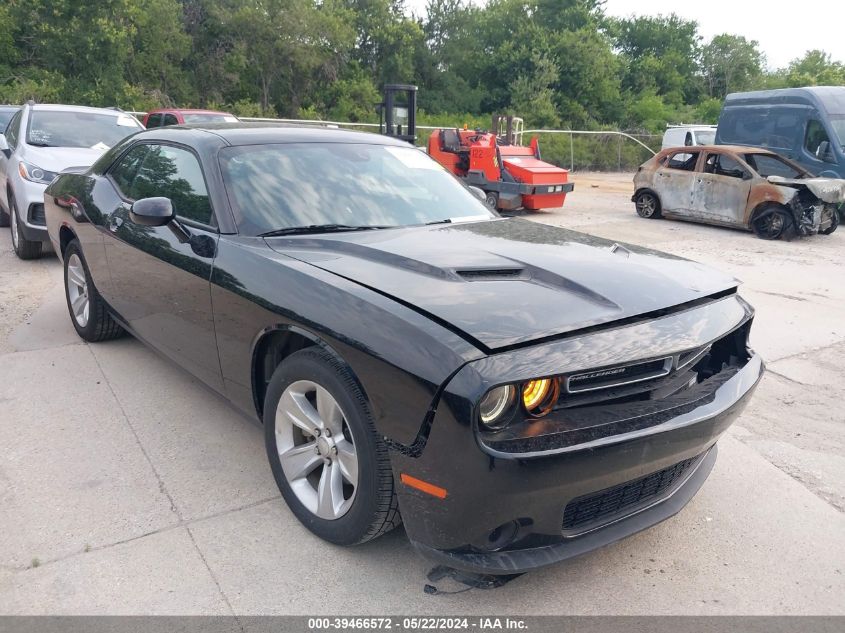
59	158
830	190
506	282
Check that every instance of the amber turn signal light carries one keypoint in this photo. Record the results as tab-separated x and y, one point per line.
424	486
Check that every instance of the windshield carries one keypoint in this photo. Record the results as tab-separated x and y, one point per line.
274	187
767	165
705	137
209	117
65	128
6	115
838	124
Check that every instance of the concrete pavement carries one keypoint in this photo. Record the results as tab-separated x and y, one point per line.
127	487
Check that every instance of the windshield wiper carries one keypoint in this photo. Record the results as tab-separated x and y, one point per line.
321	228
446	221
39	144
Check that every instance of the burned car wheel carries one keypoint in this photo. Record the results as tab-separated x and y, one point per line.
331	467
648	204
773	224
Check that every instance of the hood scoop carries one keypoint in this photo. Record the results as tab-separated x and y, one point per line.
491	274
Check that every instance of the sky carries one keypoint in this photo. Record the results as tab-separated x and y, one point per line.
784	30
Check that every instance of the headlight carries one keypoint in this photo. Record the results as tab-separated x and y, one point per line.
494	406
33	173
539	395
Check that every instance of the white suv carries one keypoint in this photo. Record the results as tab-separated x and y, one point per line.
39	142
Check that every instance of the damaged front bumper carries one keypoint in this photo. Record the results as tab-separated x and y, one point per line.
513	509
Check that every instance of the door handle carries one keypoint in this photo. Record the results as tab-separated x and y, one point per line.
115	223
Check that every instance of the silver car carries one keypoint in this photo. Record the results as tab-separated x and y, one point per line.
39	142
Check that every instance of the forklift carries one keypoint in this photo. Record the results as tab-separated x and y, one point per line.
511	175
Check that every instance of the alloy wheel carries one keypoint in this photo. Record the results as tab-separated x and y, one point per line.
77	290
772	225
316	449
646	205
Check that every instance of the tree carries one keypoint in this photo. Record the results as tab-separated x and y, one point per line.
730	63
815	69
659	55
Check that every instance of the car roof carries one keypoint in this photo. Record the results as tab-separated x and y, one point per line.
59	107
739	149
189	111
257	133
9	107
831	98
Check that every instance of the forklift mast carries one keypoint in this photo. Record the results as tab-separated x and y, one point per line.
398	112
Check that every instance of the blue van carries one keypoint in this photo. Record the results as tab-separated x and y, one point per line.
806	125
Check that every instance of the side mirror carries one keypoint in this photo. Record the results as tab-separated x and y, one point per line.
4	145
478	193
151	211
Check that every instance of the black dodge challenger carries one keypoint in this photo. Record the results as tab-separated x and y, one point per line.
517	393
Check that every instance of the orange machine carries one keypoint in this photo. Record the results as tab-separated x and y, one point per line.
511	175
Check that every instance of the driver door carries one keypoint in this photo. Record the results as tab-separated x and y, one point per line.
160	285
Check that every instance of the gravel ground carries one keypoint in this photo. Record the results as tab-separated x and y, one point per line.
126	487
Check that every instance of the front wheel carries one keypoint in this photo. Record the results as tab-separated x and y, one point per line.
648	205
330	465
88	312
773	224
491	199
24	248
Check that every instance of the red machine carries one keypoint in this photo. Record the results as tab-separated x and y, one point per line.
511	175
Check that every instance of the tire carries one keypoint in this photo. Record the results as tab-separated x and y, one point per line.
4	218
355	513
491	199
773	224
24	248
96	324
834	222
648	205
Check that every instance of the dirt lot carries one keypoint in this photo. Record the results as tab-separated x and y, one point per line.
127	487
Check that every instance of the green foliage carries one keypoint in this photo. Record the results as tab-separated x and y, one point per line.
556	63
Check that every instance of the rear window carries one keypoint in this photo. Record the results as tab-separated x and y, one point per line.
207	117
66	128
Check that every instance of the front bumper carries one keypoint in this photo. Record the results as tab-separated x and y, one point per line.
29	197
508	514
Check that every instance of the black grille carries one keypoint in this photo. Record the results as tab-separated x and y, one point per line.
602	506
36	214
602	379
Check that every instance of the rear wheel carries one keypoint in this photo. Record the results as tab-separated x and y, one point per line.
88	312
24	248
773	224
491	199
330	465
648	204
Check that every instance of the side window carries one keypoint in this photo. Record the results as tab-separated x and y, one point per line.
154	120
684	161
170	119
148	171
816	141
688	139
13	130
723	165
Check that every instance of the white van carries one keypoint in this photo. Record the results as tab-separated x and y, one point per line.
680	135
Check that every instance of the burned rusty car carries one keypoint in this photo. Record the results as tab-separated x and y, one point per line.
742	187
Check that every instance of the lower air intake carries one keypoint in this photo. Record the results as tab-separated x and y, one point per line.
606	505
